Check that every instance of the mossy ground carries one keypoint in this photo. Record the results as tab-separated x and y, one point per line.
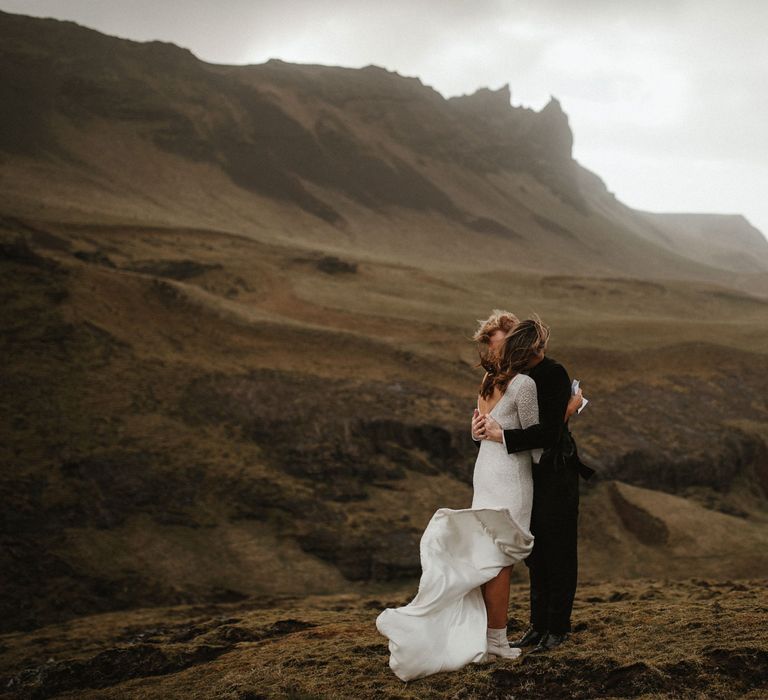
641	639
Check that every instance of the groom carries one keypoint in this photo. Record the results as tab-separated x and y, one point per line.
552	564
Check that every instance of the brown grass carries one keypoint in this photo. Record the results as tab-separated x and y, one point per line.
644	638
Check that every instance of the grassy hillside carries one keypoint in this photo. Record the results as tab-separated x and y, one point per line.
247	419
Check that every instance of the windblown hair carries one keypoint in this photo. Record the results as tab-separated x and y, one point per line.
499	320
528	338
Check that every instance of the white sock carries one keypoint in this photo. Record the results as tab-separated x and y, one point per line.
497	635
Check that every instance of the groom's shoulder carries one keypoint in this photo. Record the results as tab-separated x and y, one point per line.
551	361
552	369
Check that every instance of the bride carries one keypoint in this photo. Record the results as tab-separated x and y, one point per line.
459	614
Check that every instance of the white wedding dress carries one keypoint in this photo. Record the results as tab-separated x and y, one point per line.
444	627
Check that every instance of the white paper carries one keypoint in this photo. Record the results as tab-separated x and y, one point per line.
574	389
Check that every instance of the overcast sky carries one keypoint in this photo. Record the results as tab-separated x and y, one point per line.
667	99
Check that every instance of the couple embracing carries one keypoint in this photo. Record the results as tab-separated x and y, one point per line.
524	507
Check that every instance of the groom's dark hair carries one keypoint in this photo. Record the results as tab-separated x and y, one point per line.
527	339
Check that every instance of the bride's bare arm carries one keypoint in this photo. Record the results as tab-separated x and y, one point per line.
478	419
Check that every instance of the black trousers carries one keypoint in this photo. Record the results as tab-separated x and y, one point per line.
553	562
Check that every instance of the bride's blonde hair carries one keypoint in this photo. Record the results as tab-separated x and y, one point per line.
498	320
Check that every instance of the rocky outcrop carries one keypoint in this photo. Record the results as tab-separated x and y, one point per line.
645	526
259	141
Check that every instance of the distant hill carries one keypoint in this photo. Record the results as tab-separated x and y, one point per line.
727	241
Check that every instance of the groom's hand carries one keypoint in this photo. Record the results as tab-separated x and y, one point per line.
574	404
492	430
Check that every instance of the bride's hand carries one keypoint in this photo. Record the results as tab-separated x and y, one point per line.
477	425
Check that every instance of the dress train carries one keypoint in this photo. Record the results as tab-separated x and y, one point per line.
444	627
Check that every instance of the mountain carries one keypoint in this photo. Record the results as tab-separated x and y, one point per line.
354	158
237	306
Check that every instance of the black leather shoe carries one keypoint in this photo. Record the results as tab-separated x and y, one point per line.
548	642
530	638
